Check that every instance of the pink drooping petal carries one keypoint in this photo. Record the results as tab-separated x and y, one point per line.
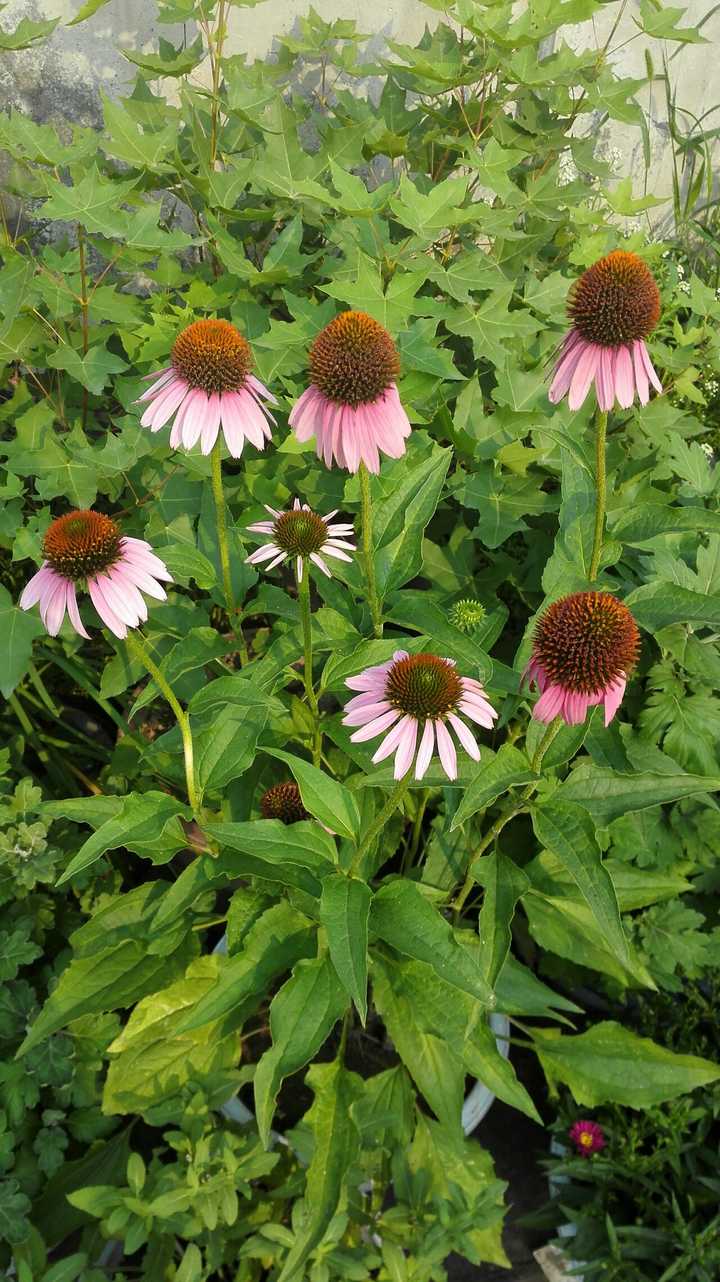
613	698
54	612
120	601
604	380
583	375
641	378
446	749
154	388
211	423
624	380
425	751
264	553
252	418
374	727
194	414
570	353
391	740
107	614
359	716
164	407
370	678
476	714
122	579
364	700
465	736
406	749
145	560
35	587
318	561
649	367
549	704
575	708
260	389
74	613
158	373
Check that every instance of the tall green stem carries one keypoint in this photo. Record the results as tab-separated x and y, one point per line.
224	548
136	646
367	550
303	589
378	823
600	492
515	807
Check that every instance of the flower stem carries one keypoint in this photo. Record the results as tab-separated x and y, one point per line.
303	590
378	823
367	549
514	809
600	435
136	646
224	549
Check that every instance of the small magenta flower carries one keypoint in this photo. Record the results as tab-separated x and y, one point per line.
411	691
352	406
88	547
584	648
283	801
302	534
613	307
210	385
588	1137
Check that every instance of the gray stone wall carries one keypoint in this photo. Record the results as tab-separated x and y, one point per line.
61	78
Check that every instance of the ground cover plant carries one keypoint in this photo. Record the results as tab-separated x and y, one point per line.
360	553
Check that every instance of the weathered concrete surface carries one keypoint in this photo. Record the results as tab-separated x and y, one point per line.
61	79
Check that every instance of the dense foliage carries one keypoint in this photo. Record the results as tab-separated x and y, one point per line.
338	971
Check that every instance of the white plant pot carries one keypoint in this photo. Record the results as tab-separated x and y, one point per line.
568	1230
477	1104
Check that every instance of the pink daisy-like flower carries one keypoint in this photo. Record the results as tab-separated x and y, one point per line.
412	691
613	307
302	534
88	546
352	406
208	385
584	648
588	1137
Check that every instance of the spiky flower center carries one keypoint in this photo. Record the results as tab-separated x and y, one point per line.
423	686
467	615
586	640
81	544
283	801
353	360
299	532
212	355
615	301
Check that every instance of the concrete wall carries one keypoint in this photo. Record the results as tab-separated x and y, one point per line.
60	79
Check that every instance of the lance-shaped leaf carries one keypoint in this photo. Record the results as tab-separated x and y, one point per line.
344	912
504	883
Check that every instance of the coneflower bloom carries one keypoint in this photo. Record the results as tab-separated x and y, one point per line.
613	308
301	534
588	1137
208	385
415	694
352	406
283	801
87	547
584	648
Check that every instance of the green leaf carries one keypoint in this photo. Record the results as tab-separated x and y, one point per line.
107	980
14	1205
344	912
18	630
434	1065
483	1060
660	22
92	370
609	795
196	649
520	992
274	848
169	61
609	1064
403	917
128	142
429	215
147	823
325	798
567	830
86	11
94	201
151	1060
493	165
336	1143
302	1016
27	33
364	289
507	769
277	940
504	884
657	605
410	491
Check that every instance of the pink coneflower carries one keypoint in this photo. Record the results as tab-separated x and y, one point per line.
613	307
413	691
209	383
588	1137
302	534
584	648
352	406
117	570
